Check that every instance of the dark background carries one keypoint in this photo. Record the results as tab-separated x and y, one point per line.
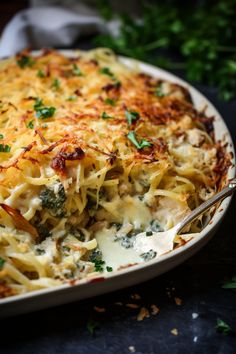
197	282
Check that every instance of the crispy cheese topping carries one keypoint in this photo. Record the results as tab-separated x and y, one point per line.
90	147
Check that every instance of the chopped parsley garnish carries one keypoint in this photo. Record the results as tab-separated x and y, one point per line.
72	98
56	84
109	269
231	284
159	91
110	101
41	73
38	103
147	256
45	112
105	116
149	233
1	136
2	261
76	70
39	251
117	84
139	145
98	265
30	125
126	241
25	61
106	71
91	325
131	116
5	148
223	327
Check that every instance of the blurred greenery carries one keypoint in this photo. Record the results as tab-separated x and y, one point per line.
200	35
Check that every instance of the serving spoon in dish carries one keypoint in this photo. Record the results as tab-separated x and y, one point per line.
158	243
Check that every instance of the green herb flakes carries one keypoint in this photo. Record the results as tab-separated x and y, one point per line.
131	116
106	71
25	61
105	116
159	91
30	125
231	284
110	101
2	261
109	269
76	70
1	136
149	233
139	145
72	98
91	325
223	327
56	84
5	148
45	112
41	73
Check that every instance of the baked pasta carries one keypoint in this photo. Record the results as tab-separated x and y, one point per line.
92	149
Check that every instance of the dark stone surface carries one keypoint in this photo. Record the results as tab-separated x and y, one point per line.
197	282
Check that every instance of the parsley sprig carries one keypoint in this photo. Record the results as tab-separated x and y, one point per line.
223	327
25	61
43	112
200	34
131	116
139	144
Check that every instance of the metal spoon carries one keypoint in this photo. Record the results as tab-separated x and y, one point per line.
162	242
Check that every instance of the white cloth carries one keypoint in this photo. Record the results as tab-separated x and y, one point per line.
51	26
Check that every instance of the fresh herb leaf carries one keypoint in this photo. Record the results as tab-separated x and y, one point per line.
109	269
92	325
5	148
223	327
98	265
147	256
76	70
25	61
155	226
41	73
231	284
139	145
1	136
105	116
2	261
131	116
106	71
38	103
149	233
45	112
56	84
72	98
30	125
110	101
159	91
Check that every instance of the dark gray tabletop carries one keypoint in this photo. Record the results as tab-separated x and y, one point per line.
197	283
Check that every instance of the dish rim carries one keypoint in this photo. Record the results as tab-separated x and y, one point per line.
212	225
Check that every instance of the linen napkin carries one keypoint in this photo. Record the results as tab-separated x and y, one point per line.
51	26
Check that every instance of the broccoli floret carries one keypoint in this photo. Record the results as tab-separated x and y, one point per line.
53	198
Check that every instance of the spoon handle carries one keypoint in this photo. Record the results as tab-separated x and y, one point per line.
225	192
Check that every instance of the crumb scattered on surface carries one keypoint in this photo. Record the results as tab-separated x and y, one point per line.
178	301
135	296
132	349
133	306
143	313
195	339
194	315
154	310
174	331
99	309
118	303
